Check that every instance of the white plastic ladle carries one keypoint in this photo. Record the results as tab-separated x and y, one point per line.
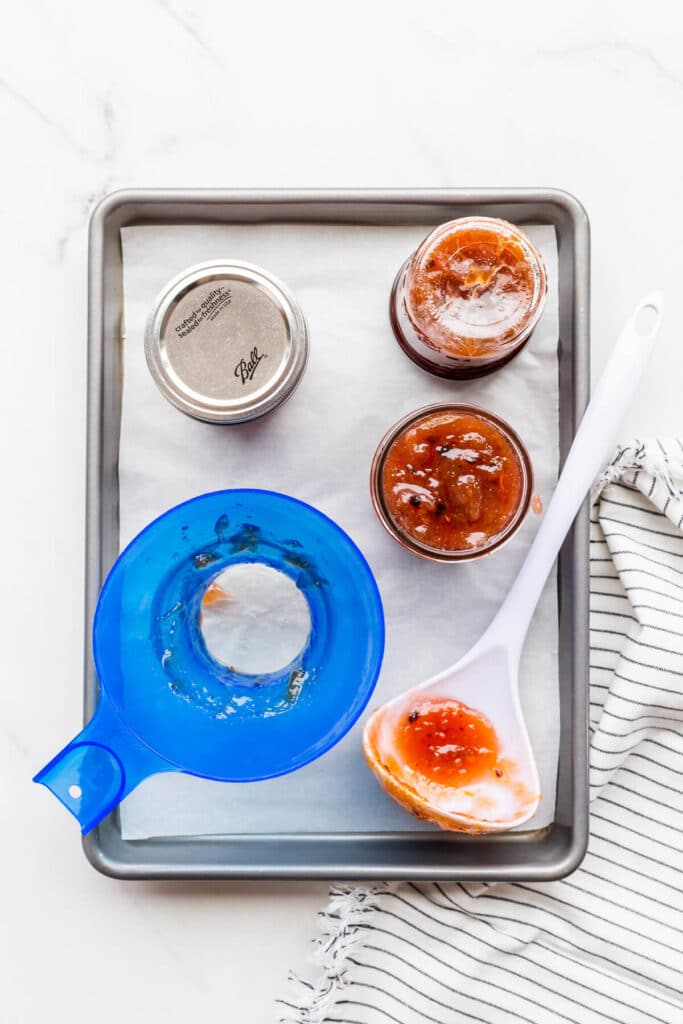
486	678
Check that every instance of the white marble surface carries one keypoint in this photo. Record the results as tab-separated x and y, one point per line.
582	95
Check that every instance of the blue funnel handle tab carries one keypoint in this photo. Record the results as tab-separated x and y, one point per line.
101	766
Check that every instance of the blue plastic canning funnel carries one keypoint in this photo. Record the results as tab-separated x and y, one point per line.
167	705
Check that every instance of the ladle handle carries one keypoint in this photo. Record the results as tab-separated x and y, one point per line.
592	446
100	766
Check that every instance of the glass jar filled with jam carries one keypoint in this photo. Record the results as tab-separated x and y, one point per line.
451	482
469	297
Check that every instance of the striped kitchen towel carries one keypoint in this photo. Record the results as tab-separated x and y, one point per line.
605	944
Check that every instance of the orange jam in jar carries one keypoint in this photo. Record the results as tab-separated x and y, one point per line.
451	482
468	299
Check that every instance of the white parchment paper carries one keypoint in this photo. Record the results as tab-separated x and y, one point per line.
318	447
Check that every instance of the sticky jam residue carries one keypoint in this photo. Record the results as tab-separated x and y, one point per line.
452	481
447	742
474	287
215	594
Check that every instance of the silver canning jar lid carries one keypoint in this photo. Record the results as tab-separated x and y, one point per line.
226	342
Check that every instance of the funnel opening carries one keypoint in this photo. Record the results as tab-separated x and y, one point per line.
254	619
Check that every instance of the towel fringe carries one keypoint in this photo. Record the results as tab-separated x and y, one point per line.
641	456
339	935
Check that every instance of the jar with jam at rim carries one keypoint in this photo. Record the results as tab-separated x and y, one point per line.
469	297
451	482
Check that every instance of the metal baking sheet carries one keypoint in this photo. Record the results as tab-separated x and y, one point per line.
546	853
